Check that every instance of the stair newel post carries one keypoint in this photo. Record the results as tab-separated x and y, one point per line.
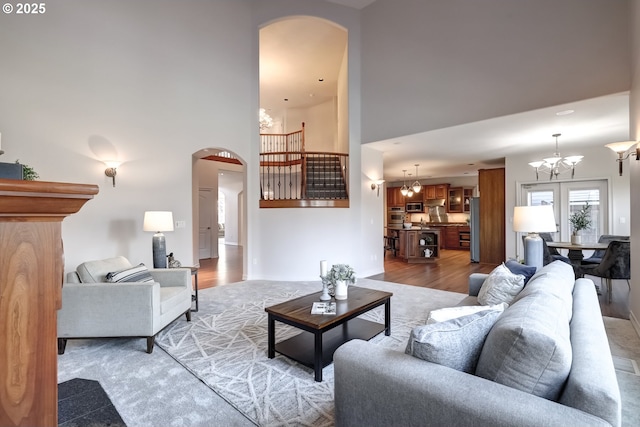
304	164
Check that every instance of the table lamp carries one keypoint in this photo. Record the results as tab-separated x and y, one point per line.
534	220
158	221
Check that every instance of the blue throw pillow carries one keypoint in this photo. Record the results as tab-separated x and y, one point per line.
516	268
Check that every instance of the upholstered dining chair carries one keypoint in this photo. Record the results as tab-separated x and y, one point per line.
554	255
615	264
597	255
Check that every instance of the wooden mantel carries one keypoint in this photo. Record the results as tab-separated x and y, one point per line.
31	273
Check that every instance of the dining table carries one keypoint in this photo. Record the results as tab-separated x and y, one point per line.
575	250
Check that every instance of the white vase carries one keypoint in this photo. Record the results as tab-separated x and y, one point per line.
576	239
341	289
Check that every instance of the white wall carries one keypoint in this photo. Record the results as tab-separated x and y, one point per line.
90	81
320	124
373	214
634	166
598	163
463	52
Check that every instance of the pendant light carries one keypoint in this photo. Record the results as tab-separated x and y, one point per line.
404	190
409	189
416	185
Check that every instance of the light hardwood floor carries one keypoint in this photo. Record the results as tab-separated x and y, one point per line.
449	273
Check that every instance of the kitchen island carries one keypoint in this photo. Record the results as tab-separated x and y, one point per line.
417	244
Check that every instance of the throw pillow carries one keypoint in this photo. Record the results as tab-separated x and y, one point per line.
139	273
516	268
529	347
455	343
448	313
500	286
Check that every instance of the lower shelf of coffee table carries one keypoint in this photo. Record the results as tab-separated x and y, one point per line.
301	347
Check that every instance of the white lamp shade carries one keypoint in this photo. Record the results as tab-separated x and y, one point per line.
620	147
534	219
158	221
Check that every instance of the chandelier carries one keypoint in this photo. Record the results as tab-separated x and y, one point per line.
556	165
265	120
416	185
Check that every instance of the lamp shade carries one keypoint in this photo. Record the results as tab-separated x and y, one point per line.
534	219
158	221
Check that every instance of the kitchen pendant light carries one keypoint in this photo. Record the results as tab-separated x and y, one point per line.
416	185
409	189
556	165
404	190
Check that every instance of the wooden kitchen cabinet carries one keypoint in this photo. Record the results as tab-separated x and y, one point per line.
454	200
451	238
437	191
31	271
467	194
464	237
394	197
491	185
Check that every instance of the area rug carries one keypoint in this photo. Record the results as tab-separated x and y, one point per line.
225	346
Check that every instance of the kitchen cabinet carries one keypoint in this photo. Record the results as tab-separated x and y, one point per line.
491	185
394	197
454	200
413	243
437	191
451	238
467	194
464	237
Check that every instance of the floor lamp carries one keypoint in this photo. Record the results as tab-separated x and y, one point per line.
534	220
158	221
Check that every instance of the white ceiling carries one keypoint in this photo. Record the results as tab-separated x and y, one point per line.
292	60
356	4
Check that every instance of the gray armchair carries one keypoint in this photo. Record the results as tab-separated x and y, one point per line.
95	308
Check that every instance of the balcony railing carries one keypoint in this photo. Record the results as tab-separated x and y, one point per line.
293	177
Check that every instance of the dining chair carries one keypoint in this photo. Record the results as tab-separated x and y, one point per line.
552	252
615	264
597	255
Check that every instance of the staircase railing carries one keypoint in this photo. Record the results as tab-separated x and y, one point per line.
293	177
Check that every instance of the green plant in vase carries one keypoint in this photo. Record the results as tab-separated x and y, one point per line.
28	173
580	220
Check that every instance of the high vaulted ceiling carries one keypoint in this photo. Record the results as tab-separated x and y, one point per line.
293	61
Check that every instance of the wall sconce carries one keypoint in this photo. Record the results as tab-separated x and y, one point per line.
621	148
375	185
110	171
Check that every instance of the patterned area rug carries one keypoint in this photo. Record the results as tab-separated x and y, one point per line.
225	346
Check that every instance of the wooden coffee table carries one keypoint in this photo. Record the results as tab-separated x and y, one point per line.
324	333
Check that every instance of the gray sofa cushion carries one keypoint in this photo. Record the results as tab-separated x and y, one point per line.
529	347
557	279
455	343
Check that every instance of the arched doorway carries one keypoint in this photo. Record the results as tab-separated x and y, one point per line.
215	171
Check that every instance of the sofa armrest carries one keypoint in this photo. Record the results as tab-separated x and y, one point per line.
112	308
376	386
475	283
172	276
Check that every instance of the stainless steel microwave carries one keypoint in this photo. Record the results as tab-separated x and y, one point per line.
413	207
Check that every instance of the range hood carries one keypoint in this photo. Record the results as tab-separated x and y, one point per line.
434	202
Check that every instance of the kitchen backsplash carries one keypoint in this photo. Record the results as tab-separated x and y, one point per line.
452	217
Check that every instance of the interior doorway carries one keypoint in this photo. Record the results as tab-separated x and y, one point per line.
219	174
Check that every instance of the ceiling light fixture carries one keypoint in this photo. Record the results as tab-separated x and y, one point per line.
409	189
416	185
265	120
404	190
556	165
621	148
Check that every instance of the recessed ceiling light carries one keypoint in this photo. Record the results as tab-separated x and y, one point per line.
286	99
565	112
321	80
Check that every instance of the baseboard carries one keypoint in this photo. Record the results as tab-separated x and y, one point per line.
634	323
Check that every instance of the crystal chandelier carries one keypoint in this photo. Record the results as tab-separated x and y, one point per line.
556	165
416	185
265	120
